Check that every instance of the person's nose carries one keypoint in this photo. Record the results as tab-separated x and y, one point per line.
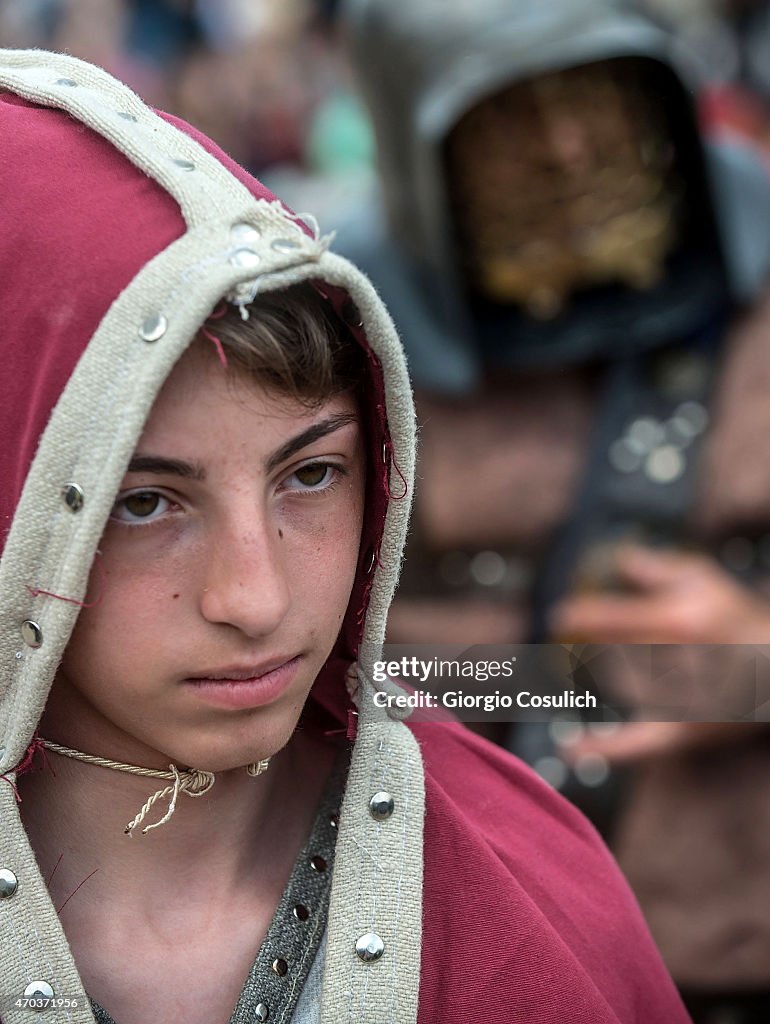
246	583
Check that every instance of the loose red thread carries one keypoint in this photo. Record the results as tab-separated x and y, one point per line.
352	725
217	345
59	597
27	764
386	479
217	314
56	865
330	733
59	909
38	592
361	613
13	787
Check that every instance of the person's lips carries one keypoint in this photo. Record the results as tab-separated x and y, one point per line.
245	686
238	673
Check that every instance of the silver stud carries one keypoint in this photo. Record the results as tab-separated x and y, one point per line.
244	234
665	464
153	327
31	633
9	883
67	81
694	414
551	770
381	806
73	496
318	864
280	966
678	432
38	990
126	116
334	820
369	947
185	165
301	912
591	770
261	1012
285	246
19	655
488	568
246	258
644	434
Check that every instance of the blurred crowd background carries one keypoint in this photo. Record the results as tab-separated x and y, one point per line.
261	77
269	80
583	296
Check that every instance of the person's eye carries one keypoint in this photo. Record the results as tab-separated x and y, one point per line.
314	476
140	507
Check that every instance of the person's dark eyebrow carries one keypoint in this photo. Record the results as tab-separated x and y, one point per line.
309	436
172	467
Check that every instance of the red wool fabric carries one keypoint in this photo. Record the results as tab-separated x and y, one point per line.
527	919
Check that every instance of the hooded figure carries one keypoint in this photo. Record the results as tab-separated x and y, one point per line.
181	564
576	250
572	221
565	204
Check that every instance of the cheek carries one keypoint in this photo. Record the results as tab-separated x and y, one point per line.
322	566
140	572
128	620
345	566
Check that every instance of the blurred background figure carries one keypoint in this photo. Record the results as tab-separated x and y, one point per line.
255	74
574	238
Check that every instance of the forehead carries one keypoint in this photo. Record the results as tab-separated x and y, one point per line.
205	406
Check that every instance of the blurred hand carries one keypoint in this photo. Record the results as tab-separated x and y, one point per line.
636	742
673	598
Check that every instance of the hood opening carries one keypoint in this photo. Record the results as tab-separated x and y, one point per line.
580	216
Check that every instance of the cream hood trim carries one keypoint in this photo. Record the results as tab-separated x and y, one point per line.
89	439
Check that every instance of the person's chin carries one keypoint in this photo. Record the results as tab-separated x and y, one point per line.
233	750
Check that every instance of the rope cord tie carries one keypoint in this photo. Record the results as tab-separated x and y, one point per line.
192	782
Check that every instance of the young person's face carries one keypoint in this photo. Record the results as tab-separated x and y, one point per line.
224	575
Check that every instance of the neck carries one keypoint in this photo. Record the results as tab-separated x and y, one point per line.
75	814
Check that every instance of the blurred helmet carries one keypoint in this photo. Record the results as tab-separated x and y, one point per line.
546	178
564	181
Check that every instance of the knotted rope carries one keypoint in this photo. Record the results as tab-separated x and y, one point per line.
192	782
